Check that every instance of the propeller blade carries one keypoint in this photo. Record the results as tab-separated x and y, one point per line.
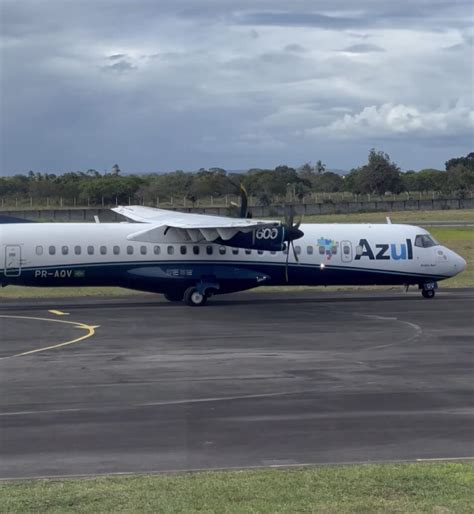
291	217
243	202
294	252
286	262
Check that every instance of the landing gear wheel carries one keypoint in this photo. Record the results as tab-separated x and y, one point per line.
428	293
175	296
194	298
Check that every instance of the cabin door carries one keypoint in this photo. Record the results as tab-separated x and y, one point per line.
12	260
346	251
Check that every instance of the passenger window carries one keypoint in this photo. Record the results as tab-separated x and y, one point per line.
222	250
182	250
346	249
248	252
322	250
260	252
235	251
297	250
78	250
39	250
170	250
129	250
103	250
196	250
156	250
143	250
90	250
273	252
209	250
52	250
65	250
116	250
309	250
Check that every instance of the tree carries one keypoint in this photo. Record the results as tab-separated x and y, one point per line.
460	180
307	175
264	199
467	162
320	167
115	170
460	175
378	176
329	182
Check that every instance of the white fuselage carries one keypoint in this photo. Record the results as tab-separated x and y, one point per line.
52	254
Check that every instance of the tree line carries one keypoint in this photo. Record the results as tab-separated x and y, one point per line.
379	176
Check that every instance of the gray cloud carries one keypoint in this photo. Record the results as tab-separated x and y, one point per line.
467	43
233	83
116	57
120	67
363	49
294	47
302	19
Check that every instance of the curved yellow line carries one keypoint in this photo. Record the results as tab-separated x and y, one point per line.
90	332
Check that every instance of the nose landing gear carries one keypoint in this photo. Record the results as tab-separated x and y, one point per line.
428	289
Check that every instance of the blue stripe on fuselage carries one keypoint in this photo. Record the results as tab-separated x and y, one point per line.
299	274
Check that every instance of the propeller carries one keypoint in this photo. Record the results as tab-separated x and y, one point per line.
244	201
292	232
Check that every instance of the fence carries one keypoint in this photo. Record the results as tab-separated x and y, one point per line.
17	202
80	214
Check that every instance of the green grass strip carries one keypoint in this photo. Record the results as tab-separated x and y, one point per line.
420	487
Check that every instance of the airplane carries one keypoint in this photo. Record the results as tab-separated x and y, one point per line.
191	257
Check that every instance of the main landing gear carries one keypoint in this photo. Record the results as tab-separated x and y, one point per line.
428	289
194	298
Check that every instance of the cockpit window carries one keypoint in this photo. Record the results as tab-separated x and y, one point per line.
425	241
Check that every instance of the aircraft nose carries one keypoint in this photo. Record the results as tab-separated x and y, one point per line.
459	263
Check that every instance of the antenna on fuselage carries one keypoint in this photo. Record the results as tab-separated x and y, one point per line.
96	219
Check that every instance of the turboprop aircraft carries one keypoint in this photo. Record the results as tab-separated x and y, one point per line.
190	257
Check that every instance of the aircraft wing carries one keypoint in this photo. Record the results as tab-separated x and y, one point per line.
189	227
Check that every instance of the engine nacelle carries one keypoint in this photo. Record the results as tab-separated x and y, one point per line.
265	238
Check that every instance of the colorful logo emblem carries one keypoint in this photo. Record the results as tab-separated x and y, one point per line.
327	247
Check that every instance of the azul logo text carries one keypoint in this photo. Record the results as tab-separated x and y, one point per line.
385	251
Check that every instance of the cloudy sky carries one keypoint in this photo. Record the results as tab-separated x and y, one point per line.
157	85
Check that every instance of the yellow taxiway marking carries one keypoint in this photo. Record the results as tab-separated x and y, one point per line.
59	313
83	326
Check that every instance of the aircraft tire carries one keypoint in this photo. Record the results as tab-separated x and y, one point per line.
176	296
194	298
428	293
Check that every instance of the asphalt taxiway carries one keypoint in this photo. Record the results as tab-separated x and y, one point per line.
136	384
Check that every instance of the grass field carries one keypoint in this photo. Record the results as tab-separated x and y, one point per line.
405	488
459	239
462	215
